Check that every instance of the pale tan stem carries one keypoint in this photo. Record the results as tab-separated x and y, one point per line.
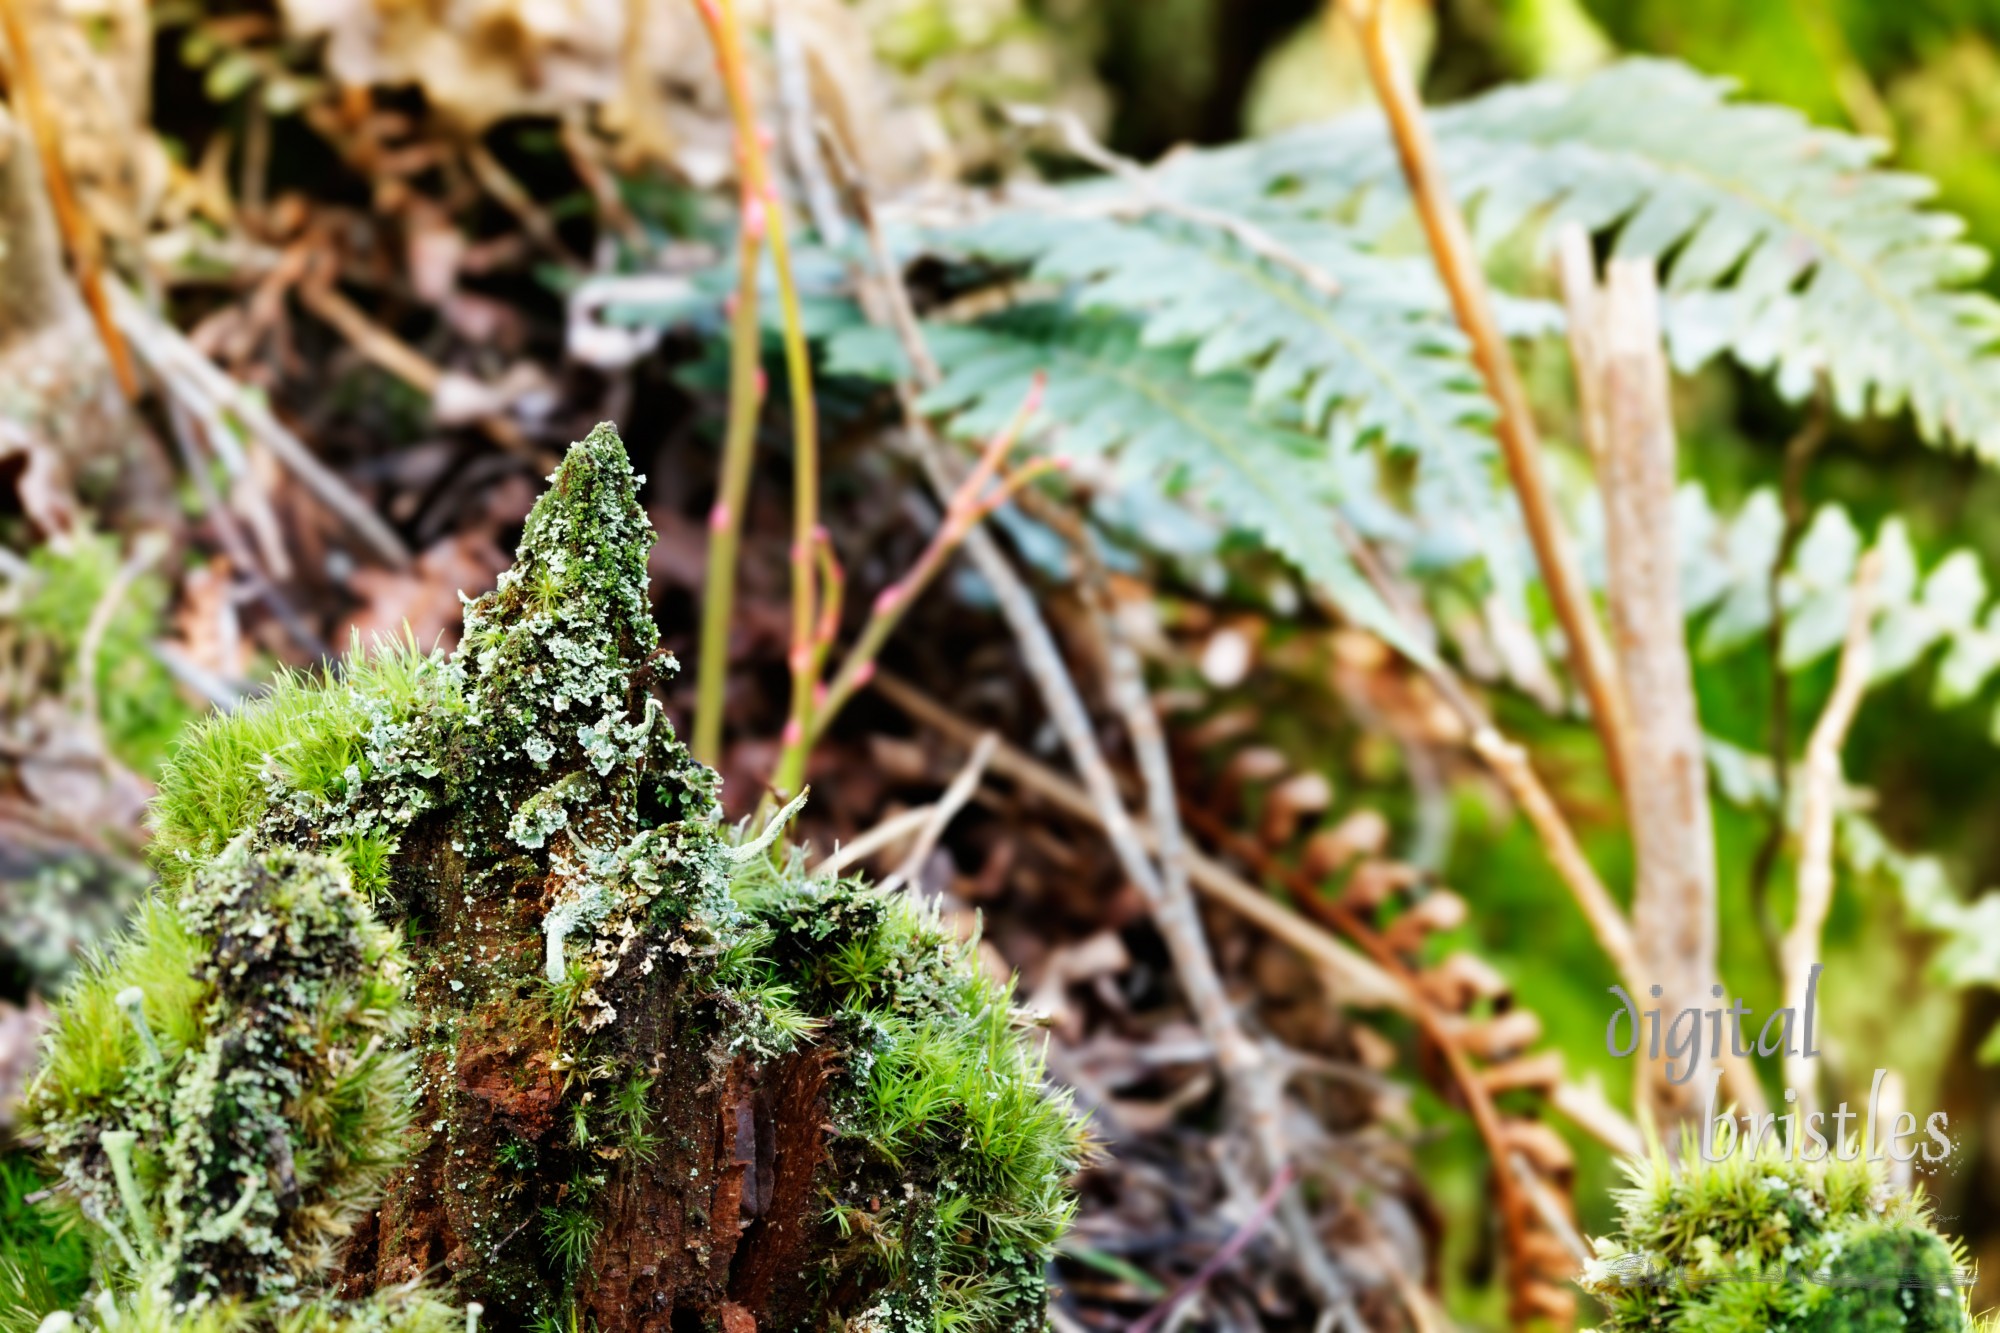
1819	801
1354	979
1623	387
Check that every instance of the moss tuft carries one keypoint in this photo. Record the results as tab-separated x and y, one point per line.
1754	1244
952	1160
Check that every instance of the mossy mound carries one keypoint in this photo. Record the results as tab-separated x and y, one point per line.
1770	1245
654	1072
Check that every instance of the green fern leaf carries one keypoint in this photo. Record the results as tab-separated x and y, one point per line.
1380	361
1107	392
1786	246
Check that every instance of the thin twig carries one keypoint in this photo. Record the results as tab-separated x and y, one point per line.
183	368
513	196
1174	913
795	114
1224	1255
1354	980
391	353
1451	248
943	812
1819	799
235	545
885	834
1257	1092
1799	451
969	505
1554	1220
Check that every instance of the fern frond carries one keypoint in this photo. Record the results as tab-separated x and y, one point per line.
1109	393
1785	244
1380	361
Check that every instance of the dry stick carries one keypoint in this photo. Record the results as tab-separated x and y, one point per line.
1621	372
795	115
514	197
1478	1100
79	232
725	32
725	520
969	505
210	390
1356	979
1819	798
1173	907
1255	1087
943	812
1549	1209
1457	265
1509	762
1279	1189
884	834
235	545
392	354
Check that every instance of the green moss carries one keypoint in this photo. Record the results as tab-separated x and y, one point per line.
310	746
1762	1244
44	1265
952	1158
138	702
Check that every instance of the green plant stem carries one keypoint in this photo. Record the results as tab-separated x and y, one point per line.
762	215
725	520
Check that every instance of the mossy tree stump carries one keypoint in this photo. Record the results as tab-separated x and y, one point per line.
659	1078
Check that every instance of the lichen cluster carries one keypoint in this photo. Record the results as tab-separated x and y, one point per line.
1767	1244
594	973
225	1089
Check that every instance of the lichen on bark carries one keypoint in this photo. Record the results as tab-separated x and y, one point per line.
660	1077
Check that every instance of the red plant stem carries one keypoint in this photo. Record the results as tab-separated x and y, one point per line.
970	503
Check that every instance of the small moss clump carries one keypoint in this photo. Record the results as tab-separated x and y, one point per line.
1767	1244
628	1029
952	1162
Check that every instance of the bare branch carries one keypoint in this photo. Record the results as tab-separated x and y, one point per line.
1451	247
1819	797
